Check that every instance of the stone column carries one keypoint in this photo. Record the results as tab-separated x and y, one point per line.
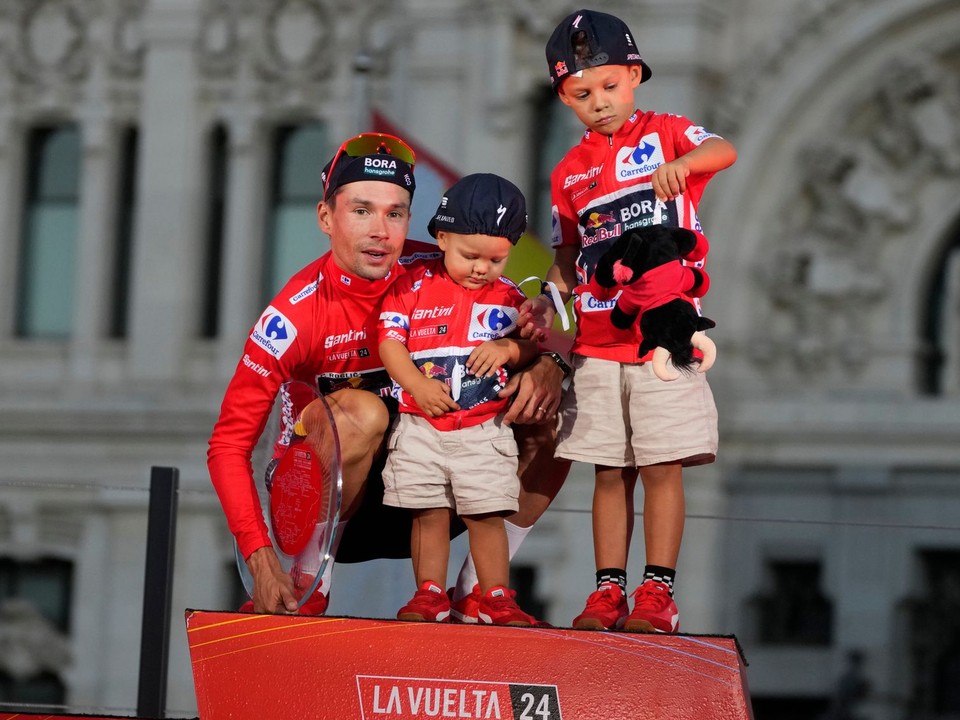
243	235
12	139
168	245
96	247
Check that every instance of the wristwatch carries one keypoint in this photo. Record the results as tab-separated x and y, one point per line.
558	359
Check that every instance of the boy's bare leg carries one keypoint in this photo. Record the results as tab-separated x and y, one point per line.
488	546
430	545
362	421
663	512
613	502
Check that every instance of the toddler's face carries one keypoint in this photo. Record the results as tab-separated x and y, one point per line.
473	260
602	97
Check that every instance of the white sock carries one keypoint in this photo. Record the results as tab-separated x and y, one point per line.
468	573
327	577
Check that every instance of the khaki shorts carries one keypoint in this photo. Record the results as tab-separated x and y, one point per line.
472	470
622	415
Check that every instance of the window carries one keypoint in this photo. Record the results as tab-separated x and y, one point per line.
217	193
794	611
126	208
49	239
940	370
35	597
935	636
293	238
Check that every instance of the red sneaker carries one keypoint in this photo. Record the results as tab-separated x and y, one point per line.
606	609
429	604
465	609
315	605
654	610
498	607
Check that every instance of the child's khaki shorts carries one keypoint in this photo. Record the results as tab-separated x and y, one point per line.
472	470
623	415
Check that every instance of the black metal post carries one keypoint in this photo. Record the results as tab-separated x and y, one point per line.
157	592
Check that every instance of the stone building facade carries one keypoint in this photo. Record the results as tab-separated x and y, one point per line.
158	163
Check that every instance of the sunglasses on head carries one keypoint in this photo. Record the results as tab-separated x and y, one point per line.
371	144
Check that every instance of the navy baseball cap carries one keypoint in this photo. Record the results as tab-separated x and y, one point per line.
607	41
482	204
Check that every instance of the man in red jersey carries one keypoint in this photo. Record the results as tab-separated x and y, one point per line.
321	329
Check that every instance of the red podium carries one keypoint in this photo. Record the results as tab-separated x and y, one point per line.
271	666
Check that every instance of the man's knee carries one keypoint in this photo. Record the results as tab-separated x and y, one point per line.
361	418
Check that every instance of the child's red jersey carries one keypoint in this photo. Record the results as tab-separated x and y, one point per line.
601	189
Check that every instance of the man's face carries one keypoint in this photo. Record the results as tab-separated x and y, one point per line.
367	226
602	97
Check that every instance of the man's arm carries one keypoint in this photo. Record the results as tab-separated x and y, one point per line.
536	392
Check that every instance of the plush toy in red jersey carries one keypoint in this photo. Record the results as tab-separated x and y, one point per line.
646	264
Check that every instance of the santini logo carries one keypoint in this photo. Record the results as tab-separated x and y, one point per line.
274	332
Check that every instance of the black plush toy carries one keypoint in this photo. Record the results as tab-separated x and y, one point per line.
646	263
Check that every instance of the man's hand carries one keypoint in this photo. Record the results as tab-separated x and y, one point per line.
537	393
272	587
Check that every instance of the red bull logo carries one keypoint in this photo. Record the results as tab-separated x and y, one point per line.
596	220
432	370
595	228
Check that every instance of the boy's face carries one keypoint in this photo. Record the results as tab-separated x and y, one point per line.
602	97
473	260
367	224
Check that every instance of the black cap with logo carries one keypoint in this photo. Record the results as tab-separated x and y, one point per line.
607	40
482	204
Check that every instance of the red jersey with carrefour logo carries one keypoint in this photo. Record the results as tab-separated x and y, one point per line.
601	189
320	329
440	322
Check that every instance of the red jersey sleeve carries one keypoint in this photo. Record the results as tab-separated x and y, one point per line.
271	354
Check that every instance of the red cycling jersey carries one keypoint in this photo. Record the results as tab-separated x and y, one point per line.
601	189
440	322
321	329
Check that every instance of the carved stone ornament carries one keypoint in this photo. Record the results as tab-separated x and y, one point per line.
127	42
29	643
50	41
218	43
295	40
824	279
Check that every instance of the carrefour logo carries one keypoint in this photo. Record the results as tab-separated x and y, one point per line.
394	320
488	322
274	332
589	303
641	159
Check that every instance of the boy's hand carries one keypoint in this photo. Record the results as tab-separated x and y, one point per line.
433	397
488	357
536	317
670	179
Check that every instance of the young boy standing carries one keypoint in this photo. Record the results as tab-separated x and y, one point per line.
631	169
445	339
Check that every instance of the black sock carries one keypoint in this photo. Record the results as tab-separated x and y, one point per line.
617	576
660	574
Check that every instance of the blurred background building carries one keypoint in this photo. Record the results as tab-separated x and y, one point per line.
159	170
